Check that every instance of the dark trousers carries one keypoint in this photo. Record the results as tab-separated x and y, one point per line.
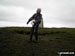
34	27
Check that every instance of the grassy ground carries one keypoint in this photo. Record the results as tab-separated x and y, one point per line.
14	42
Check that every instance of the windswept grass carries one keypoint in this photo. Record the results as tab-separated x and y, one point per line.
14	41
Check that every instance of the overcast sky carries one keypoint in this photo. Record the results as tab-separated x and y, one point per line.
56	13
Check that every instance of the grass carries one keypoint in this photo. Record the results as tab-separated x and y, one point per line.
14	41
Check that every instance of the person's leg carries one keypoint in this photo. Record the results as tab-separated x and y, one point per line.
36	31
31	32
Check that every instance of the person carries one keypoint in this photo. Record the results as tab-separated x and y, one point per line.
37	17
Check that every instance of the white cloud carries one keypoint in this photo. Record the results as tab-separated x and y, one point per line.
14	13
7	23
56	13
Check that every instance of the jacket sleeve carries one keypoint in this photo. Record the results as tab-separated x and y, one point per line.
32	18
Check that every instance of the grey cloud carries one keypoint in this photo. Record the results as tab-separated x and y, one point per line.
25	3
56	12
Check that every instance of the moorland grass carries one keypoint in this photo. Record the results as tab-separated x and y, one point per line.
14	41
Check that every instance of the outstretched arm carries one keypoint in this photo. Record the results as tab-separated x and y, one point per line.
31	18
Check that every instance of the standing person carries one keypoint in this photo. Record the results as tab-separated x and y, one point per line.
37	17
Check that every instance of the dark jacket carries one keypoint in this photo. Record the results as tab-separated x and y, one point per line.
37	17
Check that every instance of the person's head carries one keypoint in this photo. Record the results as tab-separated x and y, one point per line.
39	10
